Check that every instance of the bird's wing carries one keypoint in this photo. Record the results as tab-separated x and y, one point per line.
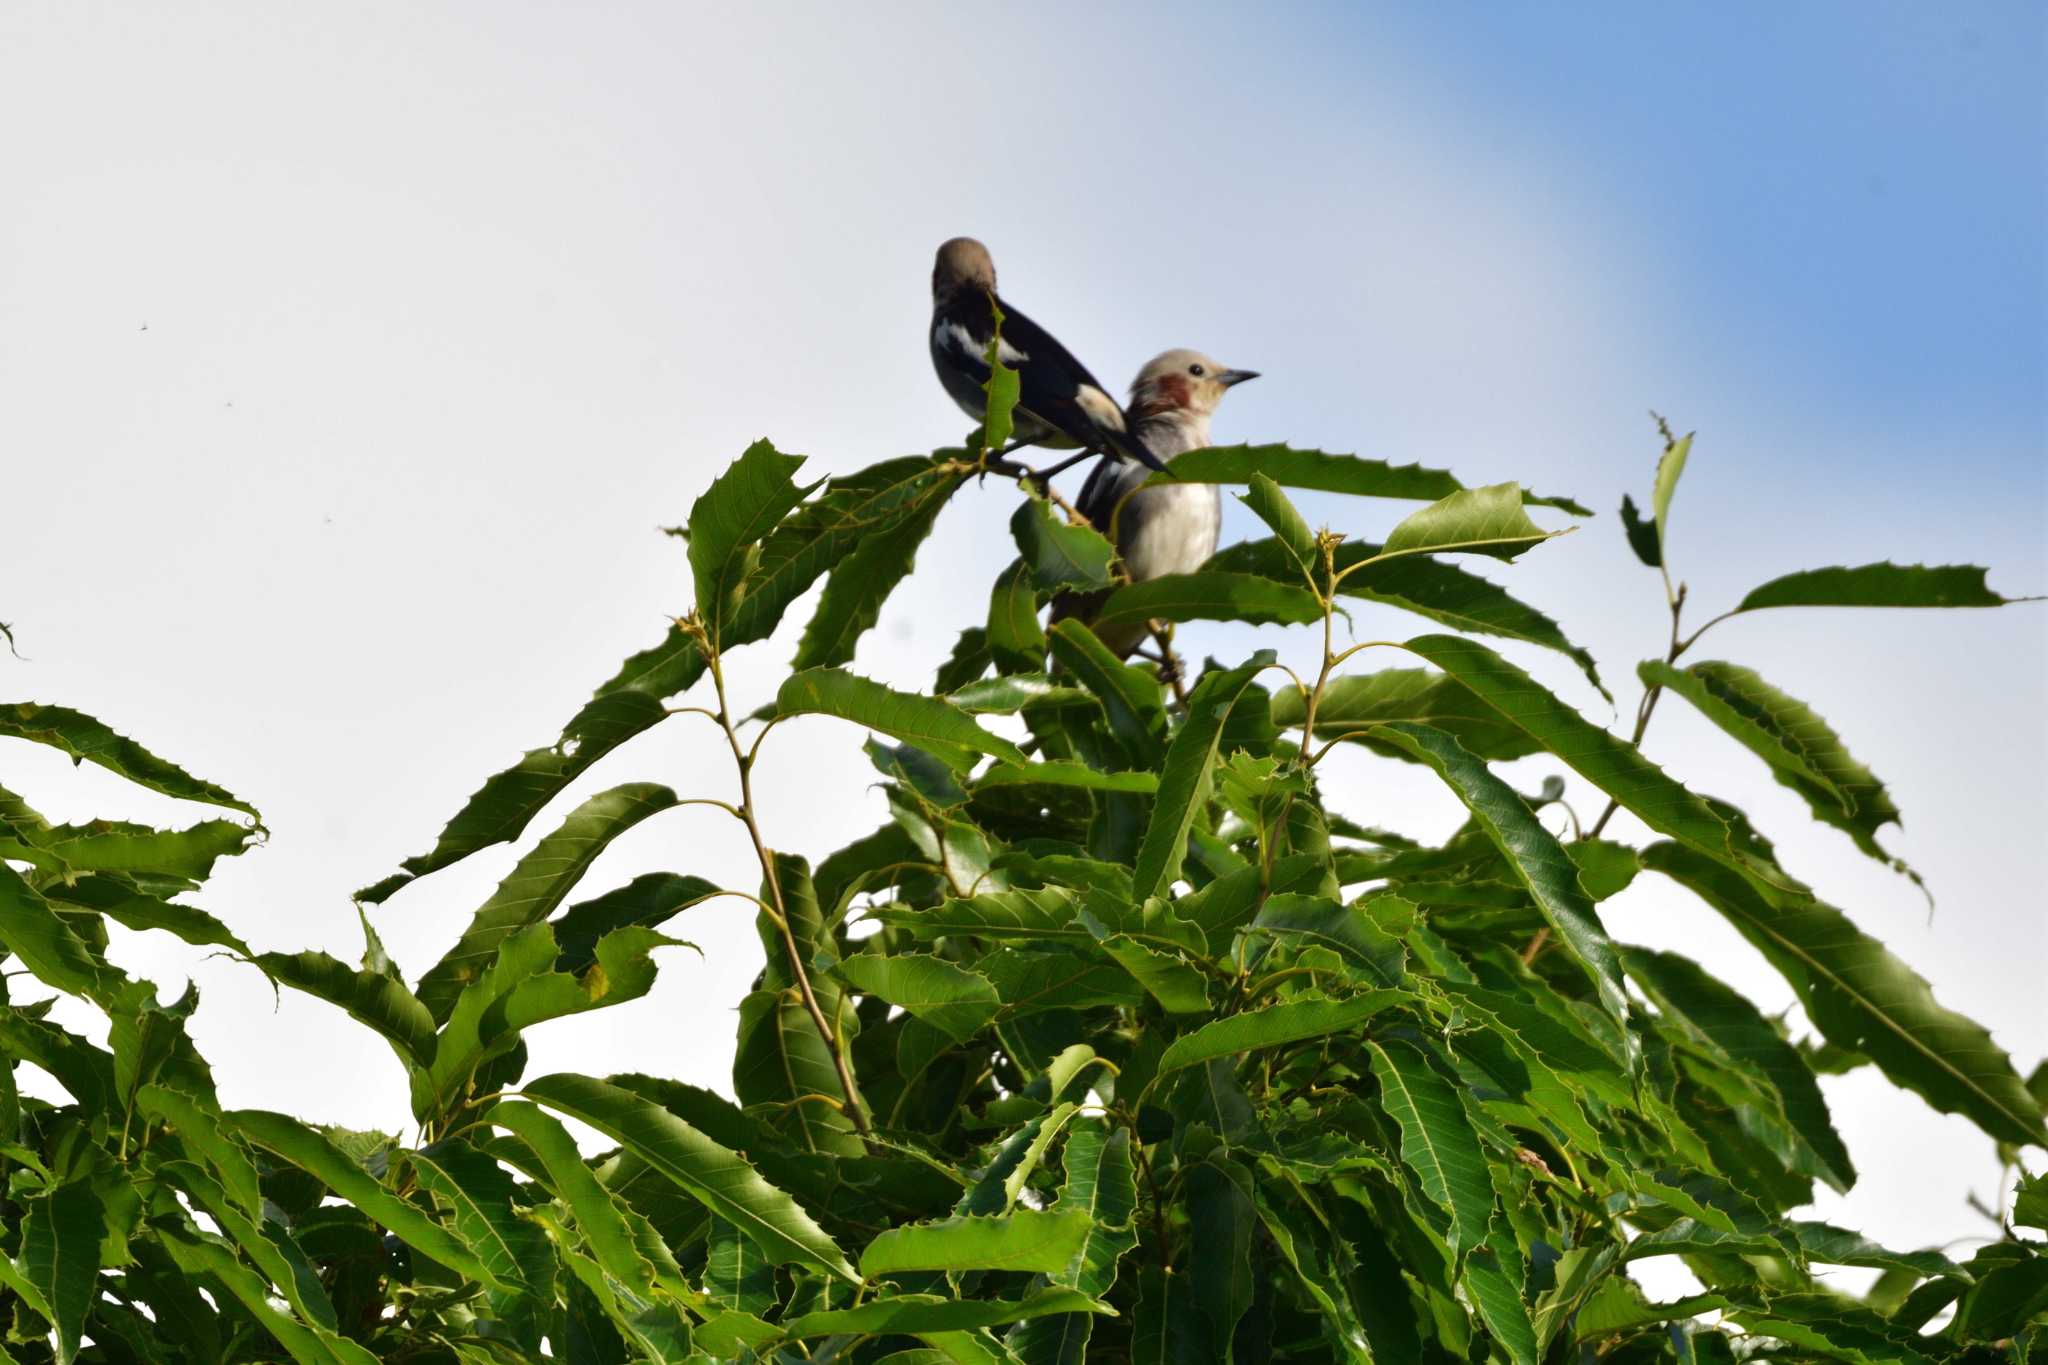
1057	388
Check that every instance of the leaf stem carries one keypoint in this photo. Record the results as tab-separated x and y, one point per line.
743	759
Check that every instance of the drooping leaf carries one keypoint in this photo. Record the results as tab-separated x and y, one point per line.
721	1179
315	1154
647	901
1487	521
1642	534
1735	1027
482	1204
541	881
1802	751
60	1242
597	1217
46	945
1209	596
1538	860
1045	1241
1879	585
204	1133
198	1254
132	909
1059	554
501	809
369	997
87	740
1328	473
1184	780
1494	1277
1860	996
935	726
1016	641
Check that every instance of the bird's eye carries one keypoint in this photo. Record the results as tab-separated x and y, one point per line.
1195	370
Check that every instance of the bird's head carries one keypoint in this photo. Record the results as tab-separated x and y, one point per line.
1182	382
963	263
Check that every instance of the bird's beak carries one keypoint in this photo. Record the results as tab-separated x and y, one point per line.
1230	378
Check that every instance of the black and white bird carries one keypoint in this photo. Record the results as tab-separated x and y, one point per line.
1171	528
1060	405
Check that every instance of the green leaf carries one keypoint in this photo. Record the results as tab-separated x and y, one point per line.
1493	1276
501	809
952	999
927	1314
369	997
1487	521
36	934
1345	930
120	902
933	725
1016	641
742	505
1066	773
861	583
1435	588
716	1176
1209	596
1029	1239
200	1255
1538	860
1131	697
1014	692
1290	532
736	1273
204	1133
1615	767
1221	1221
538	884
1352	704
781	1060
482	1202
1327	473
1437	1141
1058	554
648	901
180	855
1670	465
60	1243
269	1246
1862	997
1004	387
1824	1324
1738	1031
968	661
1879	585
89	741
1802	751
316	1155
1642	534
604	1229
1291	1021
1184	780
1099	1183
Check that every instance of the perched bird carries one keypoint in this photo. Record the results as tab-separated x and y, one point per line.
1060	405
1171	528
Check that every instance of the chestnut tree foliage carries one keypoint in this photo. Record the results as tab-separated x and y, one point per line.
1115	1042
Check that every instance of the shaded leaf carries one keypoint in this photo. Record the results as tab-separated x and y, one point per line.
1056	553
1328	473
1437	1141
1291	1021
952	999
1353	703
87	740
1209	596
936	726
1184	780
369	997
1028	1239
1879	585
742	505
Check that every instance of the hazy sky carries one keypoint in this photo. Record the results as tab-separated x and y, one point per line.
350	357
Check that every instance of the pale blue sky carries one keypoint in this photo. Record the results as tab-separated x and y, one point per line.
449	305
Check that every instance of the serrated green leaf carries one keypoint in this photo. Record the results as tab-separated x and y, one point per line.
1435	588
481	1200
1327	473
36	934
922	1314
1879	585
1860	996
1487	521
1801	750
1291	1021
1354	703
198	1254
935	726
1045	1241
598	1219
1185	777
131	909
87	740
719	1178
60	1243
369	997
1066	773
1642	534
742	505
1738	1031
1058	554
1290	532
1670	465
1538	860
1016	641
1494	1277
1437	1141
199	1126
1209	596
541	881
956	1001
317	1155
861	582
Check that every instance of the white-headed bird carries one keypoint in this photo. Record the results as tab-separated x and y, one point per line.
1059	405
1171	528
